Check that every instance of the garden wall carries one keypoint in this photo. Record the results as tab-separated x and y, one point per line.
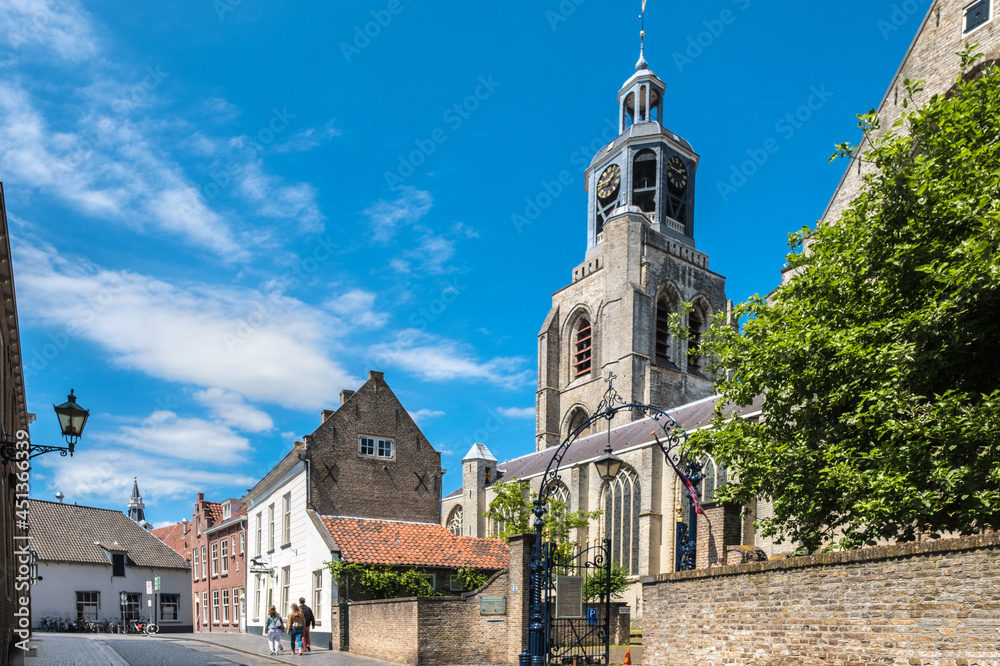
934	602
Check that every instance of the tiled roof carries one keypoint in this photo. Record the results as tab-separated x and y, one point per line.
414	544
213	513
174	536
691	416
67	532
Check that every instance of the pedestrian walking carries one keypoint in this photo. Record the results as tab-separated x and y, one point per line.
310	624
273	626
296	623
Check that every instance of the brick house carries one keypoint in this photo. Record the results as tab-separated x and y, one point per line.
366	476
218	565
177	536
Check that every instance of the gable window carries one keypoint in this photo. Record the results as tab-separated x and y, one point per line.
87	604
117	564
215	559
286	519
582	350
225	556
373	447
243	541
976	15
197	522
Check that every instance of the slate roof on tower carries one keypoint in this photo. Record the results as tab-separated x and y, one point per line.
68	532
413	544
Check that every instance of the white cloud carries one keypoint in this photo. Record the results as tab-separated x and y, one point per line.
433	358
518	412
233	410
104	476
306	140
48	28
165	433
267	347
357	307
275	199
422	415
164	523
385	217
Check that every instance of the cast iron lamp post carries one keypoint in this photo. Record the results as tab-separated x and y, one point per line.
72	419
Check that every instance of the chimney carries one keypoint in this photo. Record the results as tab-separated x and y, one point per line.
345	395
327	413
184	527
376	375
201	497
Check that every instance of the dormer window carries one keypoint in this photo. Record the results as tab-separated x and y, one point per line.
227	510
582	348
117	564
976	15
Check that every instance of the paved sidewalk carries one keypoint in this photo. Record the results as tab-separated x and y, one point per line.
256	645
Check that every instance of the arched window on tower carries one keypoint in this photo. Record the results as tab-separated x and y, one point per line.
663	309
644	181
628	111
582	348
621	501
696	326
577	417
455	521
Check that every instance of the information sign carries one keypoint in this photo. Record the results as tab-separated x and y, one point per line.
569	597
493	605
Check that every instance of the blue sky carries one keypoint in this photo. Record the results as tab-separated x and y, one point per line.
224	212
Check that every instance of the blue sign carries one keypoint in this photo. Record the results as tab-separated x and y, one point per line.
591	616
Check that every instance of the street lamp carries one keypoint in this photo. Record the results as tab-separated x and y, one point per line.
72	419
608	464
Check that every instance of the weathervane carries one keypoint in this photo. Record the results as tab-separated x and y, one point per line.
642	39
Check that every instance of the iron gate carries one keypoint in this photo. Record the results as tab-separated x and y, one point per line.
578	604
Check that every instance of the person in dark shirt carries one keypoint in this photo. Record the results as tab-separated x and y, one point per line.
310	623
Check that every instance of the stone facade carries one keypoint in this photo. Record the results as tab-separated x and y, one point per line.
933	602
641	253
931	58
404	486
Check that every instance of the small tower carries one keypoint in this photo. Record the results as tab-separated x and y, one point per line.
136	506
479	471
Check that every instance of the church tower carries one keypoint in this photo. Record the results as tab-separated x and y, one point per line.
641	265
136	507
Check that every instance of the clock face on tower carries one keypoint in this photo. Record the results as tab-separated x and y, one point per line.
609	183
677	174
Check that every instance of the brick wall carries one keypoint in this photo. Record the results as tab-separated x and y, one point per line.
713	542
934	602
344	483
385	630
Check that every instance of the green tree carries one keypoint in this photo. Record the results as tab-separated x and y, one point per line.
879	359
511	509
472	579
593	586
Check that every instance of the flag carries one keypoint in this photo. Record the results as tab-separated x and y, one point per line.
692	493
643	6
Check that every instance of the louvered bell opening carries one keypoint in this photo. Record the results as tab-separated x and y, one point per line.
583	349
662	332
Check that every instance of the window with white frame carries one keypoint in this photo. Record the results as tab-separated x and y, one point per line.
286	576
976	14
236	605
317	600
225	556
256	599
197	564
215	607
227	511
204	607
215	559
243	542
256	548
375	447
286	519
270	527
170	605
204	563
225	605
87	605
234	545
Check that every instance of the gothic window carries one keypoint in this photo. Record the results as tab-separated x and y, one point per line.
583	348
575	420
663	310
621	500
696	324
715	477
455	521
644	181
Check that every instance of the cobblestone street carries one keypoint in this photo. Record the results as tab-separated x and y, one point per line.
173	650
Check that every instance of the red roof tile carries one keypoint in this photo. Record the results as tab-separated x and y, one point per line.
414	544
175	537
